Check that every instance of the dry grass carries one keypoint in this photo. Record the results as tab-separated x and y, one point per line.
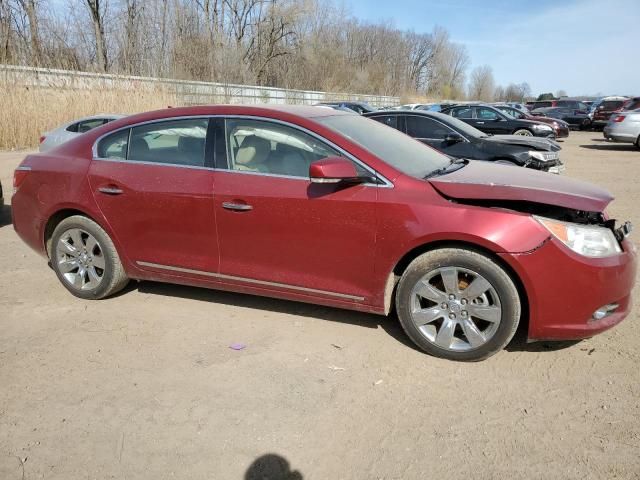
27	112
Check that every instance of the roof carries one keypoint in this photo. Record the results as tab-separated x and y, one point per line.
276	111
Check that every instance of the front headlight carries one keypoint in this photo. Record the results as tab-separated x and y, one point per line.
542	127
588	240
543	156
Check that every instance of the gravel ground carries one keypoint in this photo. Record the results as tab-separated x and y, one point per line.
145	385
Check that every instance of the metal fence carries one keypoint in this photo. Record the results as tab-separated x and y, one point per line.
187	92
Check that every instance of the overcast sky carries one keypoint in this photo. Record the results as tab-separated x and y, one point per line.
580	46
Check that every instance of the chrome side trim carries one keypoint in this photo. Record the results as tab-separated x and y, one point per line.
253	281
157	164
23	168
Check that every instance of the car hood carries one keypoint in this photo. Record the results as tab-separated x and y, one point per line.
534	143
485	181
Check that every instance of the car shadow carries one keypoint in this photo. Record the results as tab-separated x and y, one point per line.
605	145
389	324
5	216
519	344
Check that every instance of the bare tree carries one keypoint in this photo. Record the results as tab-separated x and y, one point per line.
97	17
30	9
482	85
305	44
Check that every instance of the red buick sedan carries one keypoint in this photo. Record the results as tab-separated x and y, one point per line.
322	206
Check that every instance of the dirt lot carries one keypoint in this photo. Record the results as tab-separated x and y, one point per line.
145	385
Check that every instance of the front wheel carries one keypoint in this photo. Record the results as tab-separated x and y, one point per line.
85	259
458	304
524	132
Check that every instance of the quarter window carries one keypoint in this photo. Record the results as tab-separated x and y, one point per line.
177	142
114	146
267	147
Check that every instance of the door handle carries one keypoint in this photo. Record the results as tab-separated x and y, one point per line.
480	123
238	207
110	190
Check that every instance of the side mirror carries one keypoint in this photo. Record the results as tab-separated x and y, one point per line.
452	138
335	170
498	119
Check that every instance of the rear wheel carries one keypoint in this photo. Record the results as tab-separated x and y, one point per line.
524	132
458	304
85	259
638	142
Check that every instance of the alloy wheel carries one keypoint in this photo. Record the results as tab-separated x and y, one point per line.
455	309
523	132
80	259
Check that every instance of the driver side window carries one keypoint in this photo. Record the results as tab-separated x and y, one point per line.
487	114
267	147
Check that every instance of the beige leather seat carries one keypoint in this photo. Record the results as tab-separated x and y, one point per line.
252	155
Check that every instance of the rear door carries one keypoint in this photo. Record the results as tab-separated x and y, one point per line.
278	230
154	187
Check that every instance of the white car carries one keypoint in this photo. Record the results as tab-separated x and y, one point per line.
624	127
72	129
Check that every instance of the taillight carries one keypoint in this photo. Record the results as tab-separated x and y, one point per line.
42	138
19	175
619	118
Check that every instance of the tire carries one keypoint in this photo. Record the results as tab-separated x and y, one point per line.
638	142
93	269
441	325
524	132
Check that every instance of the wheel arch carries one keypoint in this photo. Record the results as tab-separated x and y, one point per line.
58	216
402	264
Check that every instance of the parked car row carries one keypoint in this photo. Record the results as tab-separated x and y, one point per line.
342	211
460	140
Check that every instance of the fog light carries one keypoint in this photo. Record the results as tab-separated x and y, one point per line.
604	311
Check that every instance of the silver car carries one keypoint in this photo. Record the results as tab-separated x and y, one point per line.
72	129
624	127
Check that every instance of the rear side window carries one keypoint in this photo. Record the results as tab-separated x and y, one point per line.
177	142
86	125
542	104
388	120
114	146
421	127
462	113
611	104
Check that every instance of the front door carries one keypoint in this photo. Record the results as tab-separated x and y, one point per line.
491	121
279	231
154	189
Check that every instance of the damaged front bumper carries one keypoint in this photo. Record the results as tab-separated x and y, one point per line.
571	296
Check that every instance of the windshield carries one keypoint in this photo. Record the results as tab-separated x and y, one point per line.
393	147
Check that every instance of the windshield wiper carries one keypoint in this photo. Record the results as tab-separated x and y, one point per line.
456	164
